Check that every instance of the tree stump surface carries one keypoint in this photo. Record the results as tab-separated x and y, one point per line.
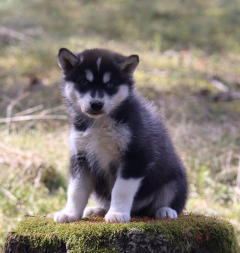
188	233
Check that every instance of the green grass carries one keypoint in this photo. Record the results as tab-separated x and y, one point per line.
181	47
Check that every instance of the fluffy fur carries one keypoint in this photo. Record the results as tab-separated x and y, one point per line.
120	150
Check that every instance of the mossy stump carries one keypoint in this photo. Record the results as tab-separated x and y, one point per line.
188	233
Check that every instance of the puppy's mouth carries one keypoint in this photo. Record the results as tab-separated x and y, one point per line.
95	114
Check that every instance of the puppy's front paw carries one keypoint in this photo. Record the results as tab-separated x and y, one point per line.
117	217
64	216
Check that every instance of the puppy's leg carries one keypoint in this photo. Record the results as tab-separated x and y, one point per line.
94	211
123	193
77	197
79	189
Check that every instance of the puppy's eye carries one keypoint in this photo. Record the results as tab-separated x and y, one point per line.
109	85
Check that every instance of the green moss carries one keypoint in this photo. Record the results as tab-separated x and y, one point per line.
94	235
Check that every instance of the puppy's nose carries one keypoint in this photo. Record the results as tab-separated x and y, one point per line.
96	105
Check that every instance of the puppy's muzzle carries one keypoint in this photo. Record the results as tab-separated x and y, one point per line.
96	107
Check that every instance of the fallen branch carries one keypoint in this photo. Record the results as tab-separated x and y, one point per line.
32	117
14	102
51	110
30	110
11	106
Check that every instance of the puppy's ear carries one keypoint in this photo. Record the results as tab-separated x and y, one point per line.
130	64
66	60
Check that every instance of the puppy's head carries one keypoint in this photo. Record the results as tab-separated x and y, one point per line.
96	81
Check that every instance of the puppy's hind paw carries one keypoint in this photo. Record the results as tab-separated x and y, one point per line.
63	216
94	211
166	212
117	217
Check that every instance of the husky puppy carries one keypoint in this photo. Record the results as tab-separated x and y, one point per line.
120	150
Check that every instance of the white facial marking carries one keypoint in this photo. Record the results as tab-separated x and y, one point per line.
123	193
111	102
82	101
79	189
99	60
106	77
89	75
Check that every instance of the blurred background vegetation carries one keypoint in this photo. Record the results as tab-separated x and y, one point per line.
189	67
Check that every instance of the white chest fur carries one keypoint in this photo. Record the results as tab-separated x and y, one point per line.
103	142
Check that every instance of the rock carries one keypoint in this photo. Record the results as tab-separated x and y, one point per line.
188	233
